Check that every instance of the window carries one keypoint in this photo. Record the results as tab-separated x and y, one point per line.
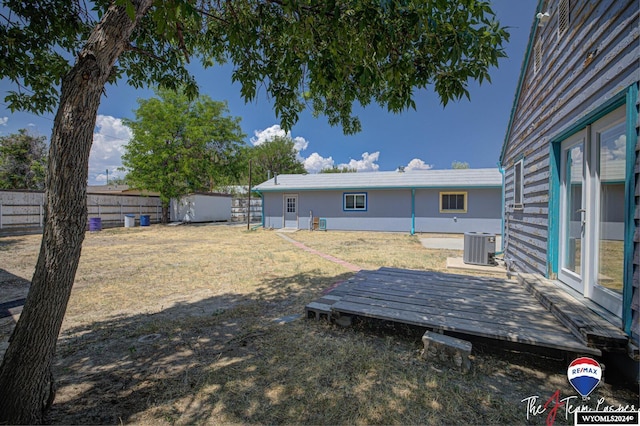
563	17
355	202
291	204
453	202
518	185
537	57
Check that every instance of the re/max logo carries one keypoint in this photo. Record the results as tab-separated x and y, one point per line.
580	370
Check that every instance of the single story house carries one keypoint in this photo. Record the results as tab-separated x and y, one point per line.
570	158
444	201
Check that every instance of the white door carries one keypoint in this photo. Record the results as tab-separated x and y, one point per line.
291	211
573	212
592	206
609	146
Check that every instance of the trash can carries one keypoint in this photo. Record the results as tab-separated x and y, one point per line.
95	224
145	220
129	220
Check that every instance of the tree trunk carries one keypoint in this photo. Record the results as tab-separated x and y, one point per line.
165	218
26	380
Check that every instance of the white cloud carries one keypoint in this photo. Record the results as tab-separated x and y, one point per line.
418	164
3	121
367	164
614	150
316	162
109	142
262	136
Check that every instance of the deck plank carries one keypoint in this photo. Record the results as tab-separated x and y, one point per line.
449	292
592	329
490	320
535	318
488	307
554	341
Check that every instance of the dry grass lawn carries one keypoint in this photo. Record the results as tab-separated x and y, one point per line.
175	325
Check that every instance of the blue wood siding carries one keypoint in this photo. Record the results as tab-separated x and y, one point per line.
390	210
483	212
595	61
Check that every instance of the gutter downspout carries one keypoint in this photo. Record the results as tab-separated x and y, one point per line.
508	261
413	211
502	208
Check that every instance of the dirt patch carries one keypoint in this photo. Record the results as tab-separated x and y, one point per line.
175	325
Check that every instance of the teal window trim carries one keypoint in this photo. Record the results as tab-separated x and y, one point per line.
609	106
553	240
629	222
518	187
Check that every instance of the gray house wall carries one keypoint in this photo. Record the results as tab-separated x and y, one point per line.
390	210
484	206
579	73
272	210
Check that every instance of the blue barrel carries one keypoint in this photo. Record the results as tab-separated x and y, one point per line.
145	220
95	224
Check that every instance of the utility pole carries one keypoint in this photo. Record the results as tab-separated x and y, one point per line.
107	177
249	204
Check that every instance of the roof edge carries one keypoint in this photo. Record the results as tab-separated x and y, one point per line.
374	188
523	70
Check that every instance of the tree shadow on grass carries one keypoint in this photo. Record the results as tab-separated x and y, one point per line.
143	365
225	360
13	291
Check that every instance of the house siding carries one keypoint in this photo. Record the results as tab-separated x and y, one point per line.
595	61
272	210
390	210
635	300
483	212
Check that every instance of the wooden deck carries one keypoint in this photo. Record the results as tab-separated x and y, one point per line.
488	307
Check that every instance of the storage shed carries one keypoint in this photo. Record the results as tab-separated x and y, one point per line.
444	201
201	207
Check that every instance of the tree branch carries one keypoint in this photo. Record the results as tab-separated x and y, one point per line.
131	48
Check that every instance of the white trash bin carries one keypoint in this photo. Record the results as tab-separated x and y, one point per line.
129	220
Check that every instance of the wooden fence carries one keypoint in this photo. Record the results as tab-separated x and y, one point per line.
23	212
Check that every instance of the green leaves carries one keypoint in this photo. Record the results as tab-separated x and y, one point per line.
326	56
277	156
181	146
23	160
332	55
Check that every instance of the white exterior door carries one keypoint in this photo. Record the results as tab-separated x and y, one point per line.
573	212
291	211
592	206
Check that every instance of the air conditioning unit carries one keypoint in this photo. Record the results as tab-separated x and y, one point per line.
479	248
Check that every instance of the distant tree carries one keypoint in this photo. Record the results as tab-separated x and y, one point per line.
119	180
180	146
459	165
23	161
336	169
276	156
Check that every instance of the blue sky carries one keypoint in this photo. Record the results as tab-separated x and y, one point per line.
429	137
